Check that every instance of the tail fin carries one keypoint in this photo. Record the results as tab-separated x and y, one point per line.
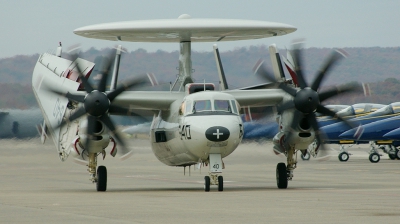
276	63
290	66
223	84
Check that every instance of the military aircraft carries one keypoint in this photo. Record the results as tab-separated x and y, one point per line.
21	124
333	131
193	123
380	134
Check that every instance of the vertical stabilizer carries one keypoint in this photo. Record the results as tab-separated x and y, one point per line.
276	63
289	64
223	85
114	77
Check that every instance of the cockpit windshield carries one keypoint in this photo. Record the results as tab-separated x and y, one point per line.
222	105
217	105
202	105
383	111
396	107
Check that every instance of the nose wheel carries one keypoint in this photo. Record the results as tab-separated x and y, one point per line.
213	179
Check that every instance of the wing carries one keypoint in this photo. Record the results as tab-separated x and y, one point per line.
261	97
148	100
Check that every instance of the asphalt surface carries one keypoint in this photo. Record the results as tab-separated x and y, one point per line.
36	187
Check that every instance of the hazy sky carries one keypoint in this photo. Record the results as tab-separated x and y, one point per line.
29	27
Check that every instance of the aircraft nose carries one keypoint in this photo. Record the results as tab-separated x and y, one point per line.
333	131
217	133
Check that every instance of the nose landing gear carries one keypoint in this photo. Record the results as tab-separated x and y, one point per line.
214	178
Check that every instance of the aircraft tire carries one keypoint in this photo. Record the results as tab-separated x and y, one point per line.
398	154
343	156
374	157
306	157
220	183
101	184
281	176
206	183
392	156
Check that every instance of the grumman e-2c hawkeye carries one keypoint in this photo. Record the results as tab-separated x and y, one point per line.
193	123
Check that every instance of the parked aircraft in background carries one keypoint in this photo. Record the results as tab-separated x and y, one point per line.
334	133
375	132
15	123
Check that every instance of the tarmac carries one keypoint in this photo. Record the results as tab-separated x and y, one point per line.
36	187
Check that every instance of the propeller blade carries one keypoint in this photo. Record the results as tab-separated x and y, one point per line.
70	96
117	110
91	125
322	149
88	87
290	90
137	81
77	98
297	58
109	124
332	60
77	114
312	120
263	72
297	116
267	76
323	110
338	90
285	106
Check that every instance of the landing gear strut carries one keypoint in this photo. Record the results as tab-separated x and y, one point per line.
101	178
374	155
285	173
214	178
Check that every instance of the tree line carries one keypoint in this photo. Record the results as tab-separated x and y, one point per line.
380	67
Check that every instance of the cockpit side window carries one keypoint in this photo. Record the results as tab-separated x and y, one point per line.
222	105
202	105
396	107
189	107
182	108
234	107
346	112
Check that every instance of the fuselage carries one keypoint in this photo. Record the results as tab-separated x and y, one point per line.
203	123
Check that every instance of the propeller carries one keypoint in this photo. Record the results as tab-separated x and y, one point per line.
97	104
307	99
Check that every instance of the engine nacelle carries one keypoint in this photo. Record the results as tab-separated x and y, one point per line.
279	143
98	141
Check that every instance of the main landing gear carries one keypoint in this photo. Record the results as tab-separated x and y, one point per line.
285	173
99	177
214	177
344	155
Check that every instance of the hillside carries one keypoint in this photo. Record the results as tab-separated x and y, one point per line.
378	66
